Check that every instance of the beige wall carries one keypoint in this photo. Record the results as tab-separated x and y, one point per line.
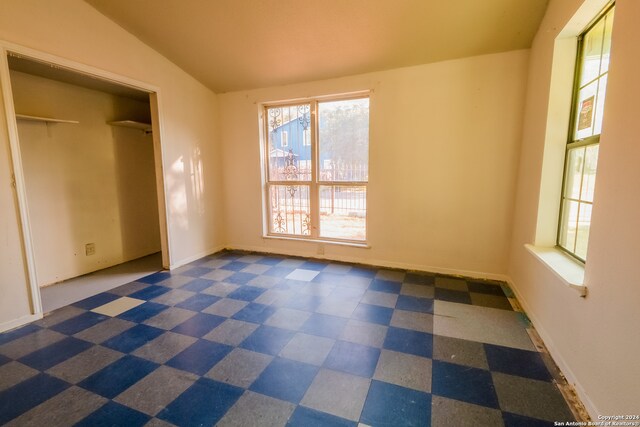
73	30
444	144
87	182
594	339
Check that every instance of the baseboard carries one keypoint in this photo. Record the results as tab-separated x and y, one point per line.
555	353
374	262
197	256
20	321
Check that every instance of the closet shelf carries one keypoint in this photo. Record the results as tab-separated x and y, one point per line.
44	119
132	124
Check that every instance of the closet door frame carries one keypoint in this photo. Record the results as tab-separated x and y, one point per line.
155	101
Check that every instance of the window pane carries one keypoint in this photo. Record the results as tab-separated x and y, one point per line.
591	52
606	48
567	238
602	93
344	140
584	224
573	173
589	173
289	156
289	209
586	107
343	212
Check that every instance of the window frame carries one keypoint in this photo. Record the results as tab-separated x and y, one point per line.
571	143
315	182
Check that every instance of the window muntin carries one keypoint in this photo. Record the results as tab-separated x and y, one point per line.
581	159
316	186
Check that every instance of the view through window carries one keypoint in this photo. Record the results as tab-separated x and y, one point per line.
581	160
318	168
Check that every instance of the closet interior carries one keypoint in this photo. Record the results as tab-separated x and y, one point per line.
87	156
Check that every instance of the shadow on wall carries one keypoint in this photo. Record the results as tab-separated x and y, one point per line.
136	192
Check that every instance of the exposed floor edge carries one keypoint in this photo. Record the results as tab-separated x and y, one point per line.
465	274
568	392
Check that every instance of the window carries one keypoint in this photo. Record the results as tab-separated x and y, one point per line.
317	187
284	138
581	157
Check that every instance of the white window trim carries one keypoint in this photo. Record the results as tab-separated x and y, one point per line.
566	268
314	184
543	248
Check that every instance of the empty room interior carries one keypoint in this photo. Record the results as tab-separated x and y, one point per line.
340	213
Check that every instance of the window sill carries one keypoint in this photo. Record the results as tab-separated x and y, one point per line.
363	245
567	269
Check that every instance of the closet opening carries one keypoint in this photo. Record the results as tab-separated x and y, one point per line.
92	205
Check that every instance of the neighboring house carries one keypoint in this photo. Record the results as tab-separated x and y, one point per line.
292	136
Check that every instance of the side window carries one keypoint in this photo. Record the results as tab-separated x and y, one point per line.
581	159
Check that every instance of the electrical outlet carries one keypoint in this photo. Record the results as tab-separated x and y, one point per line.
90	249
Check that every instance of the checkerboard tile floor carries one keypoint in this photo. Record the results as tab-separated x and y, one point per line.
246	339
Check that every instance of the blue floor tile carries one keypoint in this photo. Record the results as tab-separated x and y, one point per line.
143	312
314	265
373	314
419	279
463	383
118	376
55	353
28	394
199	325
304	302
363	272
518	362
409	303
196	271
356	359
278	271
132	338
96	301
4	359
347	294
392	405
246	293
407	341
485	288
231	256
450	295
114	414
285	379
514	420
385	286
5	337
79	323
200	357
255	313
328	278
268	340
150	292
198	302
154	278
197	285
306	417
202	404
235	266
324	325
240	278
269	260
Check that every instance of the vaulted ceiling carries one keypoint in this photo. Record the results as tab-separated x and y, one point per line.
243	44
